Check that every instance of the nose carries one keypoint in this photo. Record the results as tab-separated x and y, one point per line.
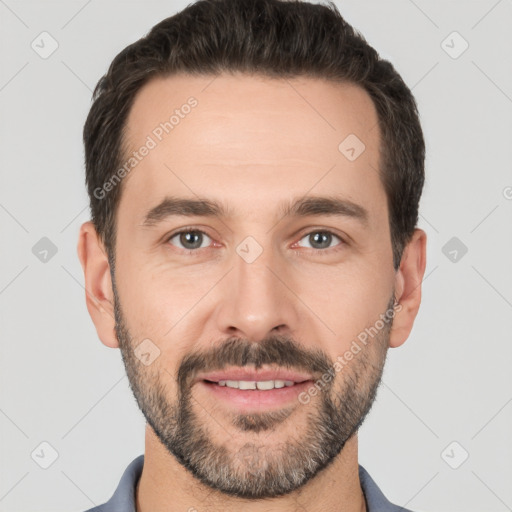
257	299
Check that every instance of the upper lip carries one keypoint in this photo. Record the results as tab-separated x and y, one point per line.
248	374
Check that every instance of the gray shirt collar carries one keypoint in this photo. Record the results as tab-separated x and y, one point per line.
123	499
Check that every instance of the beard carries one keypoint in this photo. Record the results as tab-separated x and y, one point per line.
254	469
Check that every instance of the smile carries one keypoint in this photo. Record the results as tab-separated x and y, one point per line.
264	385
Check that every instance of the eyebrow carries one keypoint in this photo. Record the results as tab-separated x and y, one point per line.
302	207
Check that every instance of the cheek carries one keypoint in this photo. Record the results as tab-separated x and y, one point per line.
347	303
165	307
150	294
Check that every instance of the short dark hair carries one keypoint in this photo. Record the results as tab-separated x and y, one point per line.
275	38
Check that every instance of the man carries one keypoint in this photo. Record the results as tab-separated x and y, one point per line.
254	170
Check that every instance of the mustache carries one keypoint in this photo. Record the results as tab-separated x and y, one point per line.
277	350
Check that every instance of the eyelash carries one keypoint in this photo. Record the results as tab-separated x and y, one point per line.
194	252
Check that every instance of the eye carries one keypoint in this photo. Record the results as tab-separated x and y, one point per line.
190	239
320	240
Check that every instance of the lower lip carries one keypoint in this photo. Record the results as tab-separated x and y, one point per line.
255	399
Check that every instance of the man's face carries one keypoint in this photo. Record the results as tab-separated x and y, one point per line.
253	294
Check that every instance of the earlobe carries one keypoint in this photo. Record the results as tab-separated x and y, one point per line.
408	281
99	295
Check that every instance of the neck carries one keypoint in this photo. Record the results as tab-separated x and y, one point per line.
165	485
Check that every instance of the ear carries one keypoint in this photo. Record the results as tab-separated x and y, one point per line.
99	295
408	281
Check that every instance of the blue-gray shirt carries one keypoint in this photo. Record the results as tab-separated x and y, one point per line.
123	499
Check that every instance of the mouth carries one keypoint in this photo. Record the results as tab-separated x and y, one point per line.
250	390
263	385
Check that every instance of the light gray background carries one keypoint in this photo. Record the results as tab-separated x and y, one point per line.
451	381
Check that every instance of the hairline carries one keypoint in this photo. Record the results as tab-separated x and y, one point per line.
124	148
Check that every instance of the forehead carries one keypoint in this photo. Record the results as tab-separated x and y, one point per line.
239	137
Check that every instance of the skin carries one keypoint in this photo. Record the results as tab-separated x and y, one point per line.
263	142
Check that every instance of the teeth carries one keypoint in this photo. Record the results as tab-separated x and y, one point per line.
244	384
261	385
268	384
